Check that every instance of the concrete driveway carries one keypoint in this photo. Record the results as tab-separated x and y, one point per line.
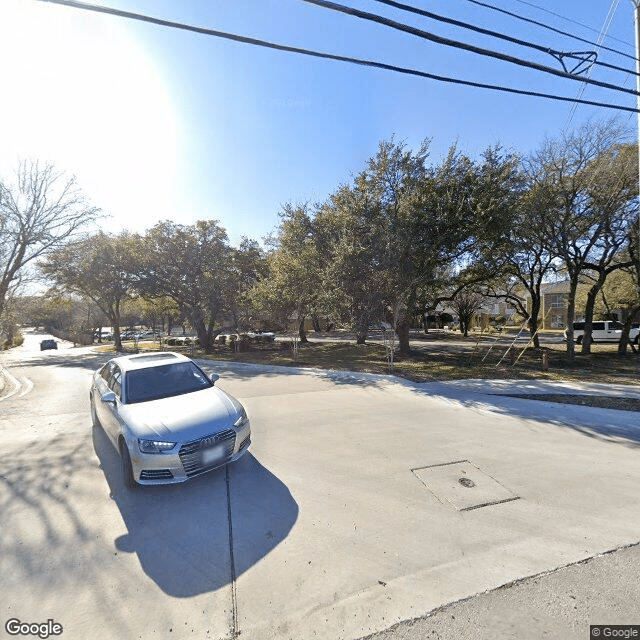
348	516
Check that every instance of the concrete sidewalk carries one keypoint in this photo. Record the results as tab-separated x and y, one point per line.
366	501
378	540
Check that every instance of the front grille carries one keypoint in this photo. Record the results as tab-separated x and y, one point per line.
156	474
191	452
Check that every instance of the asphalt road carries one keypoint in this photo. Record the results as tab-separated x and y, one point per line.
347	518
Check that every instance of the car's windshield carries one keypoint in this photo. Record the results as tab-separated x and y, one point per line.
167	380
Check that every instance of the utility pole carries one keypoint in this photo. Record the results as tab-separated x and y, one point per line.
636	22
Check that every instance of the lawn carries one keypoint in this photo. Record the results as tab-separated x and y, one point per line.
437	357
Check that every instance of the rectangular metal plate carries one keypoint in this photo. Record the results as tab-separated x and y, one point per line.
214	454
463	486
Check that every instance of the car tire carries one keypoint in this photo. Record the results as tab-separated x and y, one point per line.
579	340
95	422
127	468
637	340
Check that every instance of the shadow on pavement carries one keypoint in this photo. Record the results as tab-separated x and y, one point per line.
181	533
609	425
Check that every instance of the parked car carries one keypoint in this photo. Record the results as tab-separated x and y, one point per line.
603	331
166	418
380	326
48	344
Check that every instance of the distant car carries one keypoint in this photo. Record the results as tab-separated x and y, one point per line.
166	418
48	344
603	331
380	326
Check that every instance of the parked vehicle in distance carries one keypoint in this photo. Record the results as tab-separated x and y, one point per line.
166	418
48	344
603	331
380	326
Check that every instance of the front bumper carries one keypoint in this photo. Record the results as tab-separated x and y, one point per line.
190	459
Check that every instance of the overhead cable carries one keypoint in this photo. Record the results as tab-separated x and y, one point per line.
546	26
328	56
557	15
582	56
364	15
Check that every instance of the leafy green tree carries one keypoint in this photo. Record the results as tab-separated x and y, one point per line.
99	267
191	265
248	264
289	286
586	178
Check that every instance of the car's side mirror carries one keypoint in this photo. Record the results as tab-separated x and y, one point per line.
109	396
214	377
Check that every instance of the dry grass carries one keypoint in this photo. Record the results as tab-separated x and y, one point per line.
441	357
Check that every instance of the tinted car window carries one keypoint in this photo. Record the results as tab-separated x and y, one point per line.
598	326
105	372
578	325
115	381
153	383
615	325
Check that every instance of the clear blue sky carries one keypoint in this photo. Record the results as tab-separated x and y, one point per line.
158	123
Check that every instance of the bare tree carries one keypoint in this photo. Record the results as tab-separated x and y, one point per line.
39	210
467	302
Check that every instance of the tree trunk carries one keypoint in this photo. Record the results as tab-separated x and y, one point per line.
113	313
571	312
533	319
588	313
301	330
197	320
624	338
402	331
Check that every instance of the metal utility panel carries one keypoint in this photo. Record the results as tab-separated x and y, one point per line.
463	486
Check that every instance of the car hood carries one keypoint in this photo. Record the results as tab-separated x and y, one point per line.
182	418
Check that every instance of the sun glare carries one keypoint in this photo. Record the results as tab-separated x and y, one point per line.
81	93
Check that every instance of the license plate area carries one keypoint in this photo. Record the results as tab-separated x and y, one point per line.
214	454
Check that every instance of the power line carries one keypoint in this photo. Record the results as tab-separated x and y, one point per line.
558	31
557	15
558	55
328	56
372	17
601	37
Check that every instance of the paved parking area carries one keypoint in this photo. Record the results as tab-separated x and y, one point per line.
331	528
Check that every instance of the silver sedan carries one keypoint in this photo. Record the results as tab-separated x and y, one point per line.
166	418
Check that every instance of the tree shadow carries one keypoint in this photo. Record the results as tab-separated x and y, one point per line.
610	425
181	532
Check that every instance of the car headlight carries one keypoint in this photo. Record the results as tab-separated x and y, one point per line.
242	420
154	446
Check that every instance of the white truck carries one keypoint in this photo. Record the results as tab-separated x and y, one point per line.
604	331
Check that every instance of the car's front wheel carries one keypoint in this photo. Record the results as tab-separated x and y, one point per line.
127	467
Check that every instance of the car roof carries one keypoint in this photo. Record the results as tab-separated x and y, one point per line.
148	360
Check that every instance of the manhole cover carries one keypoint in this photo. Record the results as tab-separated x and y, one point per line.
462	485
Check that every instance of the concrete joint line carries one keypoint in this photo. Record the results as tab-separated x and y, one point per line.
232	564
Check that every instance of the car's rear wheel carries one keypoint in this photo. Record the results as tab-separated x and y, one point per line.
127	468
94	416
579	340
